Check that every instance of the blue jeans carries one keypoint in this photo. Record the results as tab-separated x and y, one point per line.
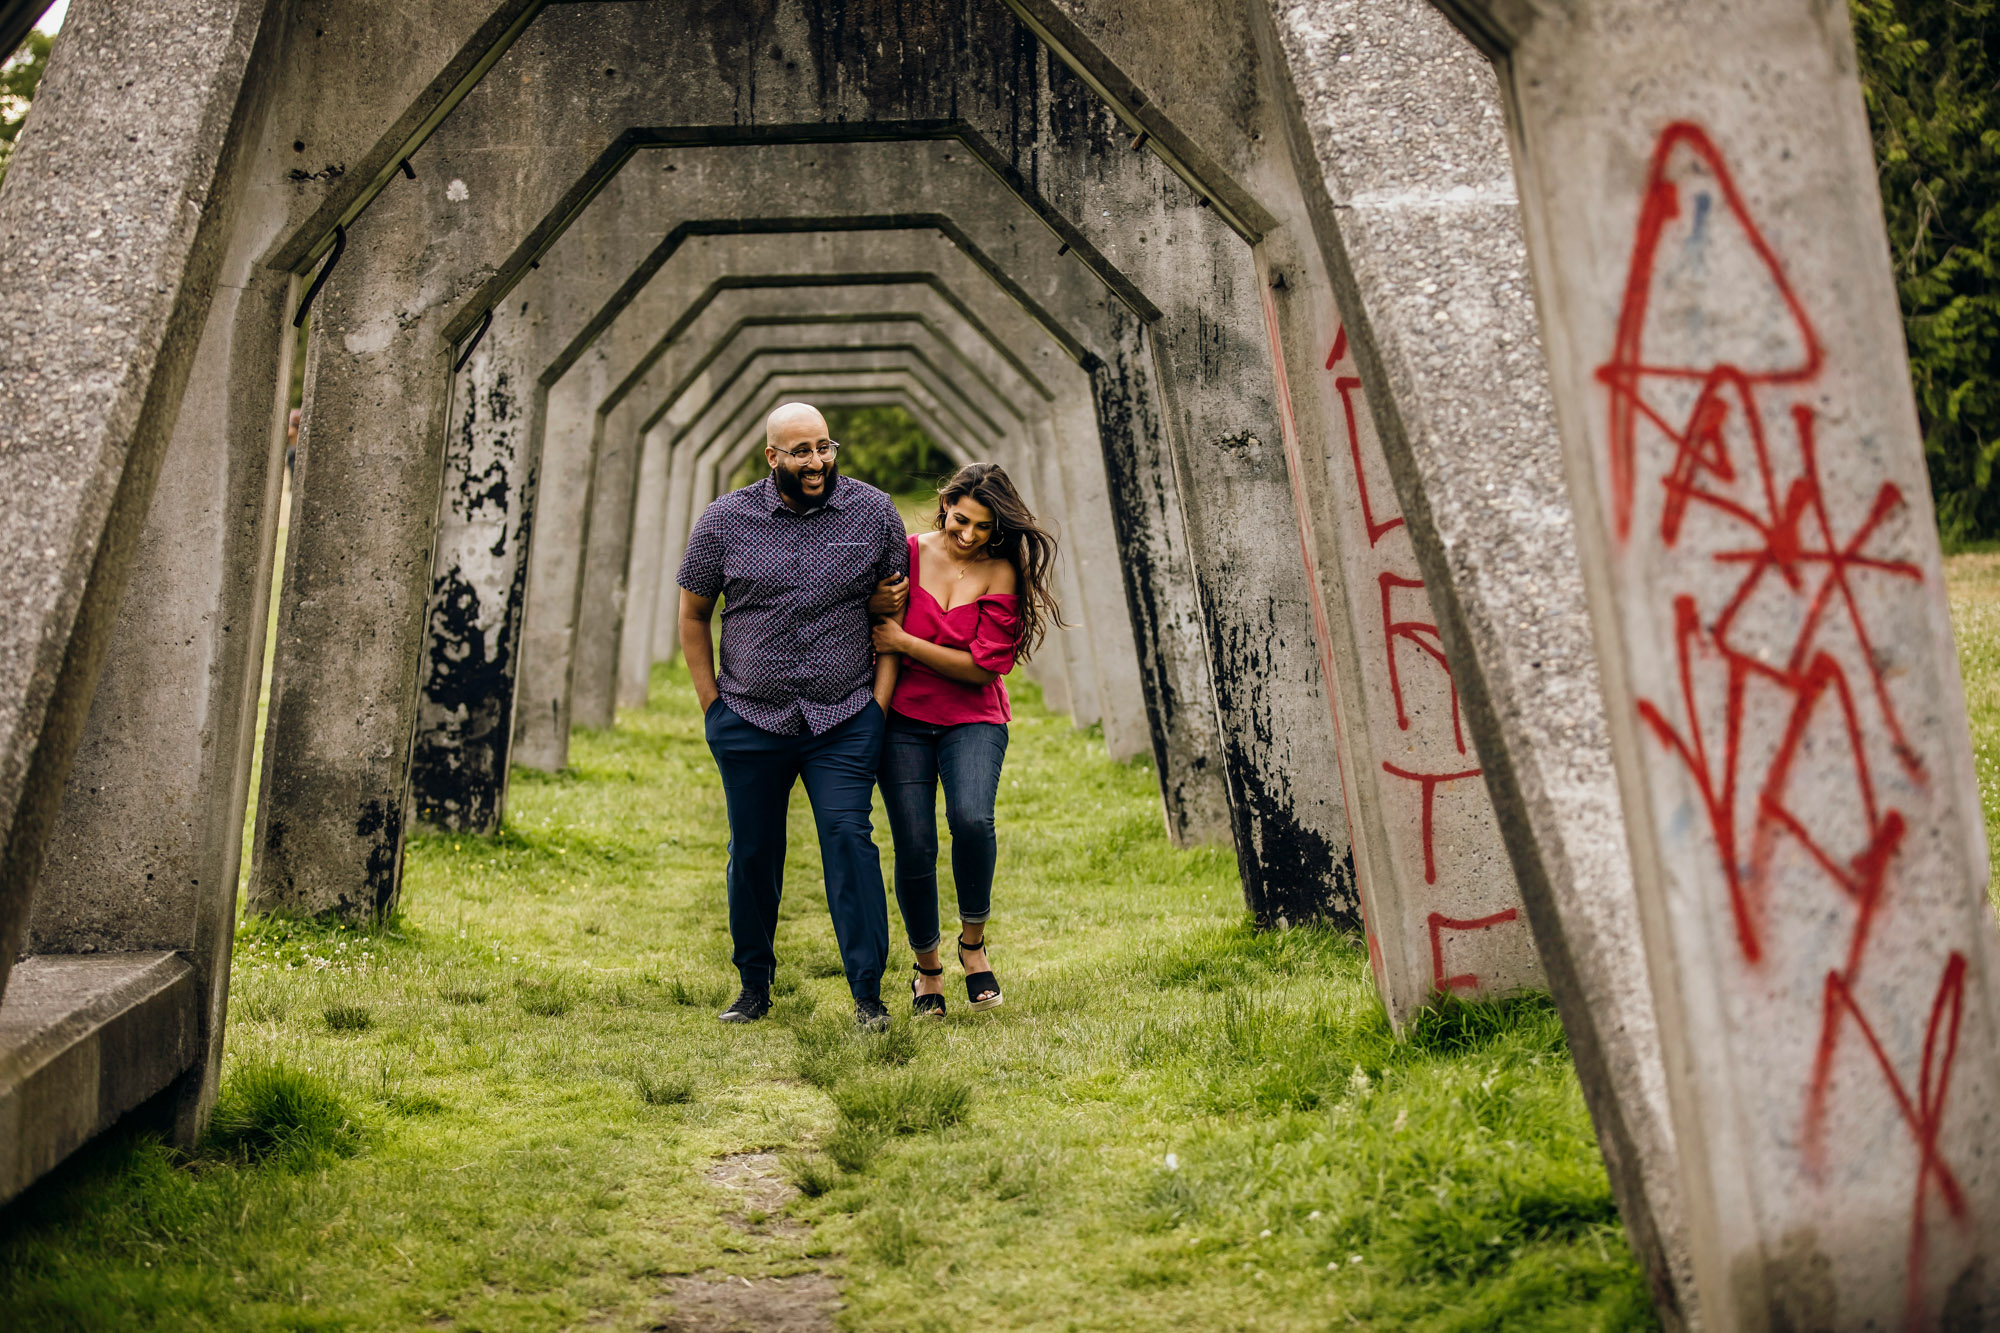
838	769
916	756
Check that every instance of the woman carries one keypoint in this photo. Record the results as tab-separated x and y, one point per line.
980	601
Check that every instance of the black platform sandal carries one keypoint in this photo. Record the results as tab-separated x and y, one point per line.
979	983
925	1006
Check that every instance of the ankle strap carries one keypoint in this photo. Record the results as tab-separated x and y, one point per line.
928	971
967	948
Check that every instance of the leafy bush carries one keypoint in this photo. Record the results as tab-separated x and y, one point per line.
19	75
1931	75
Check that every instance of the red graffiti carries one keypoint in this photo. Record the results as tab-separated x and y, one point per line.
1424	634
1439	924
1431	782
1742	478
1345	385
1421	634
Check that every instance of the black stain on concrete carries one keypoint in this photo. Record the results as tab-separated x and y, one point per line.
381	824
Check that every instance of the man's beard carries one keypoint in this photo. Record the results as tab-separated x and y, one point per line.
793	488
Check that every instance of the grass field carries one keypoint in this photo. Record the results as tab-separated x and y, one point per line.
514	1110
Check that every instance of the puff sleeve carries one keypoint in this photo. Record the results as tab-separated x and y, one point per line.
995	639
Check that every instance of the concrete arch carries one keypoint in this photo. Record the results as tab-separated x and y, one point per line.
545	661
1265	762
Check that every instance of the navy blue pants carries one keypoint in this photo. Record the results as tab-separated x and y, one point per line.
838	769
916	758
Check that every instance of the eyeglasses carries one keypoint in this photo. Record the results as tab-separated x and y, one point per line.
826	449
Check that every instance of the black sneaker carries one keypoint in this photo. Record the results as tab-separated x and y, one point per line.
749	1006
871	1015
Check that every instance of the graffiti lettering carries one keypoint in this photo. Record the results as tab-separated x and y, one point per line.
1728	442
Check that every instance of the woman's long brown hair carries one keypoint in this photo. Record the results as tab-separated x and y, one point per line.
1018	539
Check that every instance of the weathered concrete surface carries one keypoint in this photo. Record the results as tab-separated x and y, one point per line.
1727	358
83	1040
357	577
458	776
116	259
145	850
1442	908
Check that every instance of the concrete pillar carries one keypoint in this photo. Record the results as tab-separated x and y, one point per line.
1727	362
1358	144
351	617
112	224
145	850
1168	625
478	588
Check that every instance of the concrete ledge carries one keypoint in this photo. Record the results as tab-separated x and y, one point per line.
84	1038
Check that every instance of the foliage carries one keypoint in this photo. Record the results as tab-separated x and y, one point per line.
19	75
1931	76
883	446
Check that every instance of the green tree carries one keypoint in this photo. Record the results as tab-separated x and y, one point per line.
18	76
883	446
1930	72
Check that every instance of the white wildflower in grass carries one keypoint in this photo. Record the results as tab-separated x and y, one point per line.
1173	1161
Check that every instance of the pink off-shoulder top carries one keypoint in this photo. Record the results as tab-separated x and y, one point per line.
986	628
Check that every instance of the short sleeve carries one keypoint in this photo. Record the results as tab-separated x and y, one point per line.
701	566
996	640
893	557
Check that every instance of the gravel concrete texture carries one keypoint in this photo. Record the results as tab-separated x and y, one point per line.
365	500
86	1039
146	849
106	233
1751	502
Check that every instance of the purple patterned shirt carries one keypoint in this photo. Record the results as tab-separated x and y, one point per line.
796	653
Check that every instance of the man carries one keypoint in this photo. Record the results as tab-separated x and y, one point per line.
797	557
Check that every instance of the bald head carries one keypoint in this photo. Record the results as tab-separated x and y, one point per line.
801	456
793	424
